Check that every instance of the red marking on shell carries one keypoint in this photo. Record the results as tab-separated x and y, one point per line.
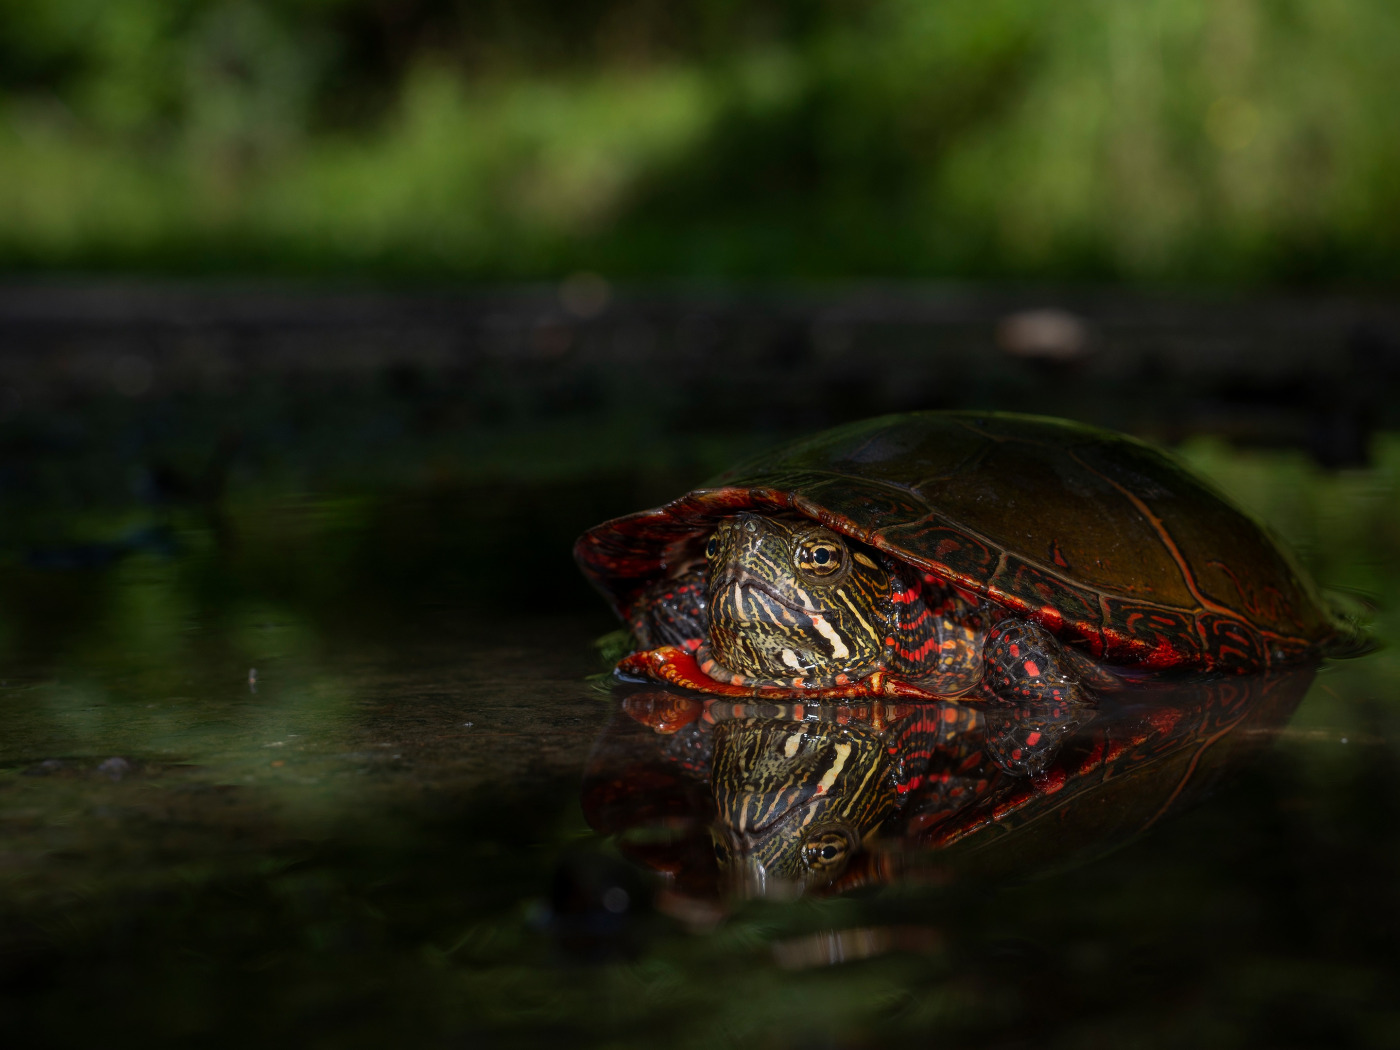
1051	781
905	597
1032	668
1164	720
1015	650
1032	739
1012	803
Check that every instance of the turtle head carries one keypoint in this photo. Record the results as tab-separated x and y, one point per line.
791	600
794	802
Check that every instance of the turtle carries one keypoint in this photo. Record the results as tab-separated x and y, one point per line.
980	555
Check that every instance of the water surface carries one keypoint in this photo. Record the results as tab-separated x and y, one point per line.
314	771
300	717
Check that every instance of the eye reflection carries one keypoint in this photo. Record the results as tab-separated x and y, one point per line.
826	850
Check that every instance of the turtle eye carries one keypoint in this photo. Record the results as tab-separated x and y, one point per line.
712	548
722	851
821	556
826	851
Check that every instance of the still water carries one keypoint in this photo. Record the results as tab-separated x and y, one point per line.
345	770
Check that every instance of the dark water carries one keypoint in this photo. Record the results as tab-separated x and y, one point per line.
318	776
320	763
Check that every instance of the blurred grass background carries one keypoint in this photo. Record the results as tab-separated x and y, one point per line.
1238	142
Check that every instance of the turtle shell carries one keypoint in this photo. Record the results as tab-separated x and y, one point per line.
1106	541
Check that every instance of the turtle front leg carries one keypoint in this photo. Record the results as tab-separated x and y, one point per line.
672	612
1023	662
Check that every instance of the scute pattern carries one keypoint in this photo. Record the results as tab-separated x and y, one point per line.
1136	634
1031	590
866	506
1235	646
945	549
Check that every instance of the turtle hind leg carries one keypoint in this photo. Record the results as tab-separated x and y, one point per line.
1023	662
1037	696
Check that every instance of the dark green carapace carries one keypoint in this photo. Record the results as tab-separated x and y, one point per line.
937	554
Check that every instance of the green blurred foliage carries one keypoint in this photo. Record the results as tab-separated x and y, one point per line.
1239	141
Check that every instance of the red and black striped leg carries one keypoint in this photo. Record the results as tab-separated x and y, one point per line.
935	633
1023	662
939	761
672	612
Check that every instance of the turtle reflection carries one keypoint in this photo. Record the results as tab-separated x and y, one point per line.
794	802
776	799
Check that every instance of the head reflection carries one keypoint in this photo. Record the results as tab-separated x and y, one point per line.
802	791
773	800
794	801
